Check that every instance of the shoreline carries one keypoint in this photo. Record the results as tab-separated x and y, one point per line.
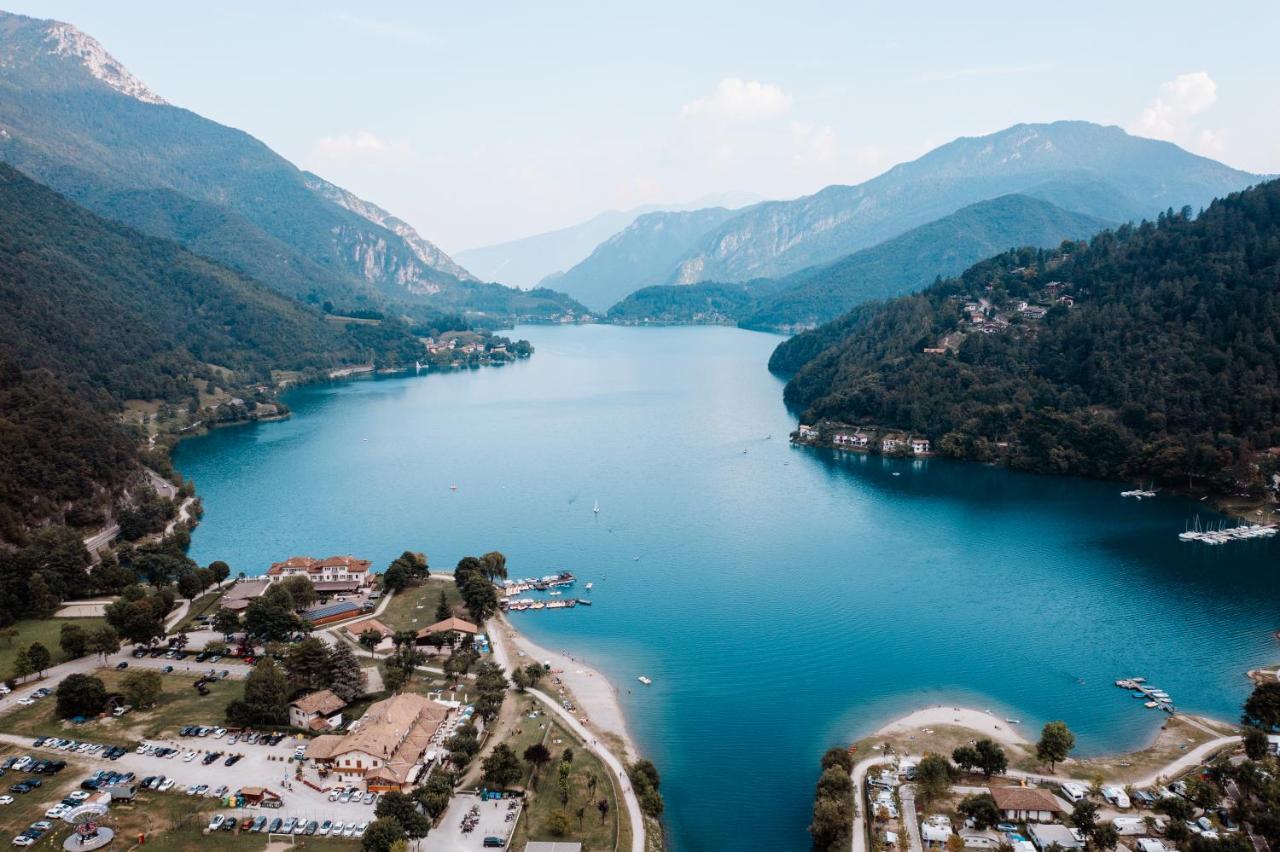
960	717
595	695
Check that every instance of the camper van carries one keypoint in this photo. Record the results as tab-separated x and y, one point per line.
1116	797
1074	792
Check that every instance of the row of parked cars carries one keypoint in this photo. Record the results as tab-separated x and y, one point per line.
251	737
352	794
105	778
188	755
290	825
85	748
42	692
33	833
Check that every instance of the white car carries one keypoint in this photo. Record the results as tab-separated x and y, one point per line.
25	702
6	800
220	733
189	756
22	763
22	840
349	830
336	829
360	829
77	795
216	822
56	812
166	785
335	793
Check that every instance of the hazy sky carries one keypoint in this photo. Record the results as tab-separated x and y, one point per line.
484	122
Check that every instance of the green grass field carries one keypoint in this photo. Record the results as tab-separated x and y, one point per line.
46	632
415	608
591	831
179	705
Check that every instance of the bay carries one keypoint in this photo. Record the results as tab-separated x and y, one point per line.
783	599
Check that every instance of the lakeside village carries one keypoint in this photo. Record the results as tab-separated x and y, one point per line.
319	700
958	779
864	439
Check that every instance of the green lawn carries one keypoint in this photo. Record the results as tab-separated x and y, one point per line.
179	705
46	632
592	832
415	607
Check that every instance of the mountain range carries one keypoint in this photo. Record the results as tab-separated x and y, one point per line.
640	255
899	265
532	260
1027	185
75	119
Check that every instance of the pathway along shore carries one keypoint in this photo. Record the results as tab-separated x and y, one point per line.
603	703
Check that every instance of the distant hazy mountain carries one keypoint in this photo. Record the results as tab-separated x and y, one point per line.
639	255
900	265
913	260
72	117
1101	171
527	261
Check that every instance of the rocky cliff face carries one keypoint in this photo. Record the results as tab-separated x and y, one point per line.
65	40
428	253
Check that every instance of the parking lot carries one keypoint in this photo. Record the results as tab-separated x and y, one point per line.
491	821
259	764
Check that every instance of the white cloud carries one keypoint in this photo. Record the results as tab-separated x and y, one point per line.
815	147
389	30
1172	115
362	147
736	99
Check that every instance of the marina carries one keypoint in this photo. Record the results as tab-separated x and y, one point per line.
1224	534
1152	697
523	604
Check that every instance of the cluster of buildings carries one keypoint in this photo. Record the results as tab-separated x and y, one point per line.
454	630
864	439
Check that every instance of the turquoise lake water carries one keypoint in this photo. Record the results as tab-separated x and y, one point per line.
785	599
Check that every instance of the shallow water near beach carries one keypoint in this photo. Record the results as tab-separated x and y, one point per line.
782	599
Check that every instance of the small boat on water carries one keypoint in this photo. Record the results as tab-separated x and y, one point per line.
553	594
596	507
1013	721
584	601
589	585
646	681
1151	705
453	488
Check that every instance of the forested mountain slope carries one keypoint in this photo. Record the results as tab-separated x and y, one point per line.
93	313
1152	351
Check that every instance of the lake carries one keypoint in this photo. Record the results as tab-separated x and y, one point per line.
784	599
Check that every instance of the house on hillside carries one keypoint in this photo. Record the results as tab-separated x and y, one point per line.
807	432
892	441
317	711
1026	804
920	445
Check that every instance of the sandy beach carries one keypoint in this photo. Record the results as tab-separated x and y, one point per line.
596	697
964	717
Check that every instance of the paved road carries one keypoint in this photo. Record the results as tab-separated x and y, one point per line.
910	821
607	757
101	539
859	775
